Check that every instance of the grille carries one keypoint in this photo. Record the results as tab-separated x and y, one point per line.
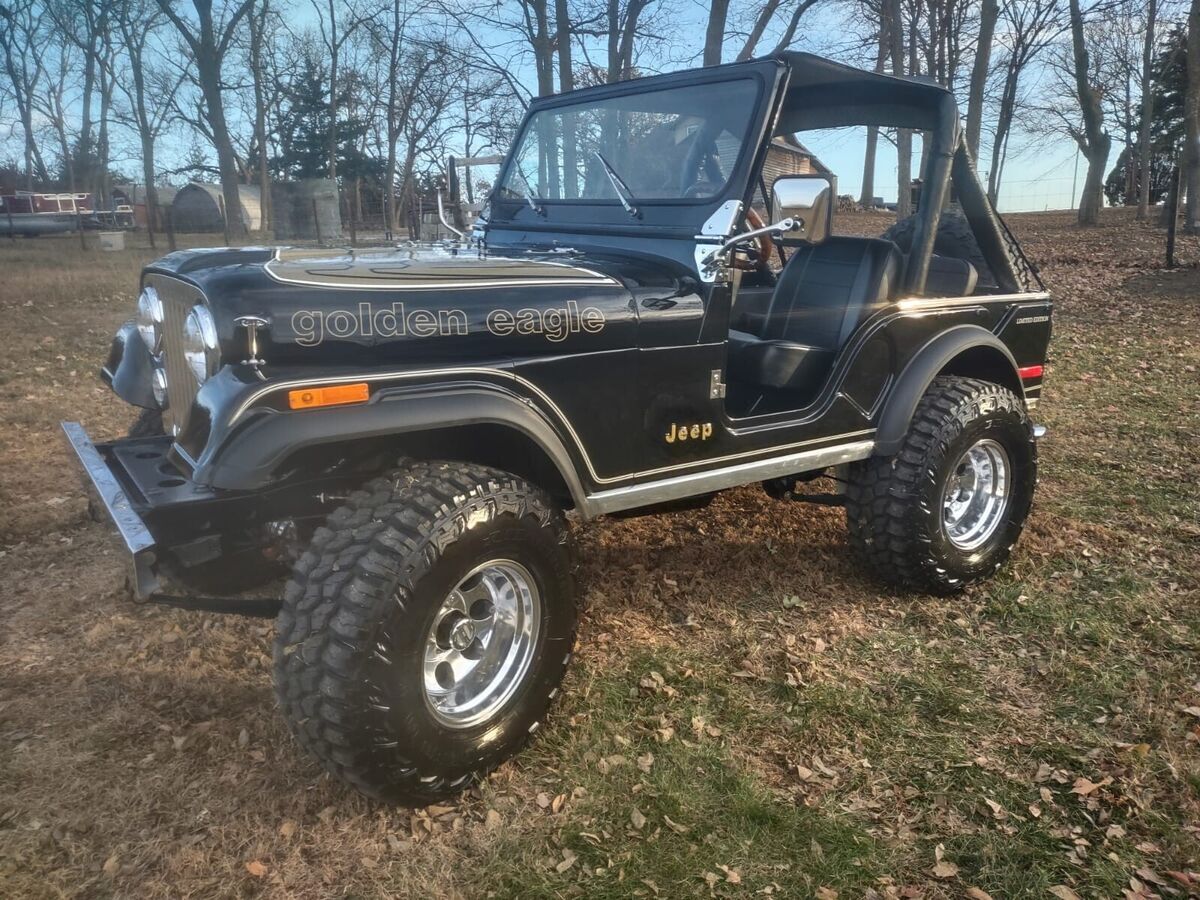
177	300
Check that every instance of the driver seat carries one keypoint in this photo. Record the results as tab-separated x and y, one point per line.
824	291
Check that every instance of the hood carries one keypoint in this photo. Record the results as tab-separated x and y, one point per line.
379	305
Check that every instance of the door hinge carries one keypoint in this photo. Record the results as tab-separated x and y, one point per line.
716	387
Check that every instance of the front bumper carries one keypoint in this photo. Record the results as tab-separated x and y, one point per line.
115	496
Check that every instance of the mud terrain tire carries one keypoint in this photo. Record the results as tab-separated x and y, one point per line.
904	513
363	607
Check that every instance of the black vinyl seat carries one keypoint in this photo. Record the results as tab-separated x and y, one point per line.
823	293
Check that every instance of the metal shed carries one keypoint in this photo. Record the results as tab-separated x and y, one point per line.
198	207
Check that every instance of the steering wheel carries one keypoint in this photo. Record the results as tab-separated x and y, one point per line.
754	220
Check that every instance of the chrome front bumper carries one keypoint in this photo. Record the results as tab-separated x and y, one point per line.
136	536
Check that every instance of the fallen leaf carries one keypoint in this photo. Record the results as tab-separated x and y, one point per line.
543	800
568	860
1062	892
288	828
978	894
257	868
731	875
112	865
645	761
492	820
945	870
824	893
675	826
637	819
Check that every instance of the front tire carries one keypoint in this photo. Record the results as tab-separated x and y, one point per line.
947	509
427	629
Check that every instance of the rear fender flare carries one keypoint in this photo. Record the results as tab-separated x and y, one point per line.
250	456
928	362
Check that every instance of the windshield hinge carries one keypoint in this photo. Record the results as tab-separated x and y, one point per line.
716	387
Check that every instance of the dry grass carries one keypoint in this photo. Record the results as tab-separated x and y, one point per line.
783	724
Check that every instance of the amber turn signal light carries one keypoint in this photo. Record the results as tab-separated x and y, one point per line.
335	395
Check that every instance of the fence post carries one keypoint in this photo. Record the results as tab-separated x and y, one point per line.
79	226
170	221
317	223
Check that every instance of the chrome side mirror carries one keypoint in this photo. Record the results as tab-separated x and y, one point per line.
808	201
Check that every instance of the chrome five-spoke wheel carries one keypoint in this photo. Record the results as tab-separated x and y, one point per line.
975	498
481	643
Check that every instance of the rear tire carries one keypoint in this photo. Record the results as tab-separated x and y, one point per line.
369	611
947	509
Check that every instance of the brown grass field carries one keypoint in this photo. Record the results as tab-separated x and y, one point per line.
748	715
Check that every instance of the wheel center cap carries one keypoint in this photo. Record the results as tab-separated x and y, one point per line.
462	634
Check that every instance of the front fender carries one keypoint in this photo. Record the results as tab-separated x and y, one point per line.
130	368
252	453
925	365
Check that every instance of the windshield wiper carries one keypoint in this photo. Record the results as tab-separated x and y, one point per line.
624	194
529	193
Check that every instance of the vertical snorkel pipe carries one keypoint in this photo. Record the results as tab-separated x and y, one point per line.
934	186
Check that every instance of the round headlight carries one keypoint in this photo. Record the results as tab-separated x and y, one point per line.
150	319
200	342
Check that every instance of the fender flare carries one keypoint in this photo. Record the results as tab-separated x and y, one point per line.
919	374
250	455
130	368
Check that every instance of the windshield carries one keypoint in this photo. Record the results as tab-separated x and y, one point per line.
670	144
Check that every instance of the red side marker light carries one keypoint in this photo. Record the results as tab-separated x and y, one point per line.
1028	372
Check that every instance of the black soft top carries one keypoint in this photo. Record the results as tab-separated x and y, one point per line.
822	93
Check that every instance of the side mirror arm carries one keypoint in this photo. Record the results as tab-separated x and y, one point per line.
775	229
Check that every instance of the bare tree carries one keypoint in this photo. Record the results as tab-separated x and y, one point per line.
1093	140
989	12
903	137
1144	131
257	21
717	31
1030	26
334	36
209	41
150	93
1191	120
21	33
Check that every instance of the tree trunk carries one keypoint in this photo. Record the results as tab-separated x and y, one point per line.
148	174
566	82
979	73
1093	140
210	86
866	198
257	25
1191	120
714	34
903	135
333	76
1144	174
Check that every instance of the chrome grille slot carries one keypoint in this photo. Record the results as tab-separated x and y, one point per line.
178	298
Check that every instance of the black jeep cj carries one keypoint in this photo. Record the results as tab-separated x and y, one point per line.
621	333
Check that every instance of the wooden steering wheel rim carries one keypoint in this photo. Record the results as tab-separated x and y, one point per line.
754	220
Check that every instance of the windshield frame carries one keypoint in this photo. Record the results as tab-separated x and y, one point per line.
739	172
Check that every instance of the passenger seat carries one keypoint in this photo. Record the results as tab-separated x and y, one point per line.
824	292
